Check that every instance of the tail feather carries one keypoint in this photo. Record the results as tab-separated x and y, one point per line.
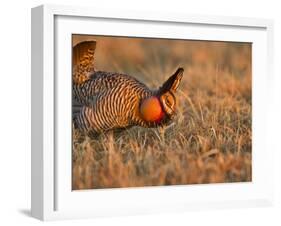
83	61
83	66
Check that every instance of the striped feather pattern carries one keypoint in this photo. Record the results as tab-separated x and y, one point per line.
103	100
110	100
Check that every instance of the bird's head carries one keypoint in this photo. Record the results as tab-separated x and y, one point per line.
162	106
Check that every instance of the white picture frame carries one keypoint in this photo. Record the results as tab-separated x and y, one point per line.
52	197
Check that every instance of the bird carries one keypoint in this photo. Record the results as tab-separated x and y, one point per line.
104	101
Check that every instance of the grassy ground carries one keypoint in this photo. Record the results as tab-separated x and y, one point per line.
209	140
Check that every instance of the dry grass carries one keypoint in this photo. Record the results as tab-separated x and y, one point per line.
210	140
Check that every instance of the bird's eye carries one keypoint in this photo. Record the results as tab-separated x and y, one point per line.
168	102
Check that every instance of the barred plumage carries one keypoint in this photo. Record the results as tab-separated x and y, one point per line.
104	100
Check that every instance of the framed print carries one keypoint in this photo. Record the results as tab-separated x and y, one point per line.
143	113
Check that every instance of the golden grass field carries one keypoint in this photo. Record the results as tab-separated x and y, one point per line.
210	139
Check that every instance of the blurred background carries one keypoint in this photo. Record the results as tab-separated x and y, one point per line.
147	58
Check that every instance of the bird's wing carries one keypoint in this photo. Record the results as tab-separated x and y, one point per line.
98	85
83	61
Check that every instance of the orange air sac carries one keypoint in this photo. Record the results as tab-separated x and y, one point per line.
151	110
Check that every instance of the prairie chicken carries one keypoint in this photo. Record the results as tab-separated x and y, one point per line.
104	101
